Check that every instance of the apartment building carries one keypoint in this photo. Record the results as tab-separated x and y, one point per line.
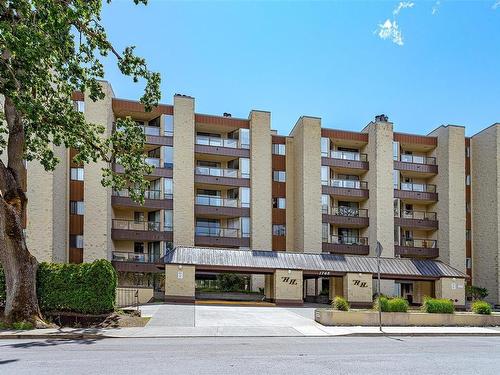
222	184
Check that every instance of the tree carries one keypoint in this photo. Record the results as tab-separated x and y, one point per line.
48	50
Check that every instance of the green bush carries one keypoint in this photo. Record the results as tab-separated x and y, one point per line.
475	292
20	326
391	304
481	307
230	282
435	305
87	288
340	304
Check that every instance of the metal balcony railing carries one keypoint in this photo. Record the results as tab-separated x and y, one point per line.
348	184
416	159
219	232
220	172
423	188
210	200
148	194
136	225
154	162
415	242
348	155
418	215
122	256
151	130
219	142
347	240
344	211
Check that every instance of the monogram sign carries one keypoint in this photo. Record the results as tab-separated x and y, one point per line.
359	283
288	280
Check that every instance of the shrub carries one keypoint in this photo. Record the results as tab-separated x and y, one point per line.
481	307
230	282
475	292
435	305
87	288
340	304
391	304
20	326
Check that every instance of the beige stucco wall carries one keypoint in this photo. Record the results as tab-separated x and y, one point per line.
450	185
422	289
61	211
358	287
451	288
307	185
288	285
179	280
184	134
97	241
336	287
485	194
380	185
260	181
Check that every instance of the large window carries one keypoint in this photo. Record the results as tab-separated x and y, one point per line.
279	230
245	196
168	125
325	175
168	156
168	222
325	147
279	176
279	149
76	208
279	203
168	188
76	174
76	241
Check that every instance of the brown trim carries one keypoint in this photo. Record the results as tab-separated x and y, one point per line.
157	204
345	249
345	192
220	120
417	252
75	224
278	189
288	302
344	135
75	255
76	190
123	105
348	221
416	223
278	162
256	270
415	139
279	243
157	172
138	267
222	151
222	211
222	241
413	167
228	181
180	299
72	154
341	163
278	139
160	140
417	195
278	216
77	95
140	235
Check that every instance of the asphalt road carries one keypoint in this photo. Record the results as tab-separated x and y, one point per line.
340	355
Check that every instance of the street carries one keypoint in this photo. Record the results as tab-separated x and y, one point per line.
291	355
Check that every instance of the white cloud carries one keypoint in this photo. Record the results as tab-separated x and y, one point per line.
435	7
403	5
390	30
496	5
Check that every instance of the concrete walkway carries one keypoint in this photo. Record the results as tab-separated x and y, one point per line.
170	320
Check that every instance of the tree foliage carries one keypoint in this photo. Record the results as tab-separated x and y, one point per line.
48	50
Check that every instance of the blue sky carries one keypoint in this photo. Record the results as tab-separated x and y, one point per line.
323	59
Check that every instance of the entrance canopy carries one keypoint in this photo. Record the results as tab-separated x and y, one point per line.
228	260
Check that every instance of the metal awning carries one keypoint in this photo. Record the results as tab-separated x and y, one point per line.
320	264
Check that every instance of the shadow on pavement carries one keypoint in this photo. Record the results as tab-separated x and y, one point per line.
50	342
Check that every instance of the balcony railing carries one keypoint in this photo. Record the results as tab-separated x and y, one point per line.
347	240
417	215
220	172
414	242
219	142
349	184
416	159
122	256
348	155
345	211
136	225
148	194
219	232
210	200
154	162
151	130
421	188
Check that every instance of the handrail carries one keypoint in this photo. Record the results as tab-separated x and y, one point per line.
348	184
424	188
206	140
151	130
418	215
154	162
148	194
136	225
210	200
123	256
418	159
348	155
348	240
345	211
219	172
419	242
207	231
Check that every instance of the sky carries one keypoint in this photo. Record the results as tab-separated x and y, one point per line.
422	63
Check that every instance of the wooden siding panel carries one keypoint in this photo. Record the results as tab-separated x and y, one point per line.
415	139
345	135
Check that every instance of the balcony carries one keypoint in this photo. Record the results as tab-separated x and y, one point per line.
221	176
209	205
154	136
413	165
136	262
345	216
221	146
217	236
122	256
354	189
418	248
346	162
346	245
416	219
153	199
423	193
158	169
139	231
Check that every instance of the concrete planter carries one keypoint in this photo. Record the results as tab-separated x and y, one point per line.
330	317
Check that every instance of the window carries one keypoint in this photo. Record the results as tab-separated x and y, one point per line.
468	263
279	149
168	125
139	247
76	174
325	147
76	208
325	232
168	220
279	203
468	235
467	180
395	179
467	152
245	227
395	150
279	176
138	217
245	196
244	167
168	157
279	230
467	207
325	175
168	188
76	241
79	105
245	138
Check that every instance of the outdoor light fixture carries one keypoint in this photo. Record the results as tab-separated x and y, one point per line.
180	266
289	271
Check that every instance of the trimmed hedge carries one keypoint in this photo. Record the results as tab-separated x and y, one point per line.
481	307
340	303
87	288
391	304
438	306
